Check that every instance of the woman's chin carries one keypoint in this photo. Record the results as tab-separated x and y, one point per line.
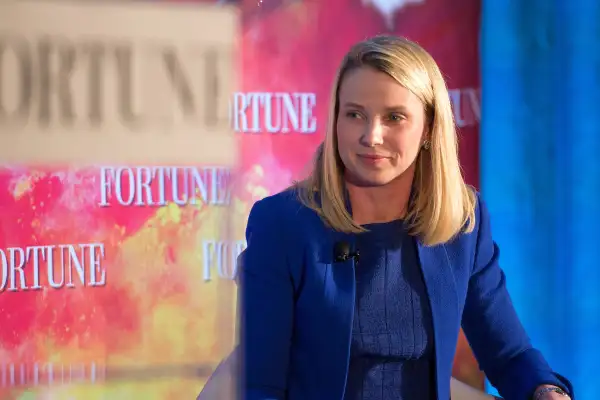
370	179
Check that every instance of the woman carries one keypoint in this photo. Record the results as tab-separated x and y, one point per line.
356	281
222	384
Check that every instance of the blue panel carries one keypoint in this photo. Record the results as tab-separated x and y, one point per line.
540	172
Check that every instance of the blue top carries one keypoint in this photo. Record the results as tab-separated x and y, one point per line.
297	309
391	354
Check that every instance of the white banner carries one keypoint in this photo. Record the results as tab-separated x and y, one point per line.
134	82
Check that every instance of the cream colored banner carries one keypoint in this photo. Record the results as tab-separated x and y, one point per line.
134	82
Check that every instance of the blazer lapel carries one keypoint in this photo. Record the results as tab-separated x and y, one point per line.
336	316
443	300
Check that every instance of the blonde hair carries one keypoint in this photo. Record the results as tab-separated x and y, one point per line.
441	205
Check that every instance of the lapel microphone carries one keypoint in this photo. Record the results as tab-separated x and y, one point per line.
342	252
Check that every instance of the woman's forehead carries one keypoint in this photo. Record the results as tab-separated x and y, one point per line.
367	88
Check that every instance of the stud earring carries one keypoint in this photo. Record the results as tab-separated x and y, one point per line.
426	144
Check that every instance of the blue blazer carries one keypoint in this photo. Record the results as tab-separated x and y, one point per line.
298	307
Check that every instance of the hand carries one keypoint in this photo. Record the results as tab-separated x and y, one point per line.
549	395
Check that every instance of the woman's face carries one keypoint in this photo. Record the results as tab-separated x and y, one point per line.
380	127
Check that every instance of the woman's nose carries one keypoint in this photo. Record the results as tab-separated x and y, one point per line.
373	135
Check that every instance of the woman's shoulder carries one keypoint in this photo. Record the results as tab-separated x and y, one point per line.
482	215
481	219
283	201
285	208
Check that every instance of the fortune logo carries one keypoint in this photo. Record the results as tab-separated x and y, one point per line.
86	83
389	8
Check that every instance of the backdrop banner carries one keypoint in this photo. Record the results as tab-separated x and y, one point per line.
115	272
117	239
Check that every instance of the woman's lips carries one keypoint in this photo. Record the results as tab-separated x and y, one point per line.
372	159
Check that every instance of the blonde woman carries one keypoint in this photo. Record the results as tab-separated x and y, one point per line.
356	281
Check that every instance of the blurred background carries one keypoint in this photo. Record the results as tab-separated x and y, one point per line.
116	277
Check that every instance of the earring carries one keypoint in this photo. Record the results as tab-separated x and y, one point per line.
426	144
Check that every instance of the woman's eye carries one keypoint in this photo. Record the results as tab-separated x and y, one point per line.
353	114
396	117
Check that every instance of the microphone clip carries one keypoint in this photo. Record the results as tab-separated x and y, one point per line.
352	255
342	253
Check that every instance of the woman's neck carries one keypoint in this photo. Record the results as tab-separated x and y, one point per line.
374	204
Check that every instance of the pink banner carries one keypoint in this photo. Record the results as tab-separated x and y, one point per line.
146	268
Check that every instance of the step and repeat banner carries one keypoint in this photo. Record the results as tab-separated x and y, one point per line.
134	139
118	231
